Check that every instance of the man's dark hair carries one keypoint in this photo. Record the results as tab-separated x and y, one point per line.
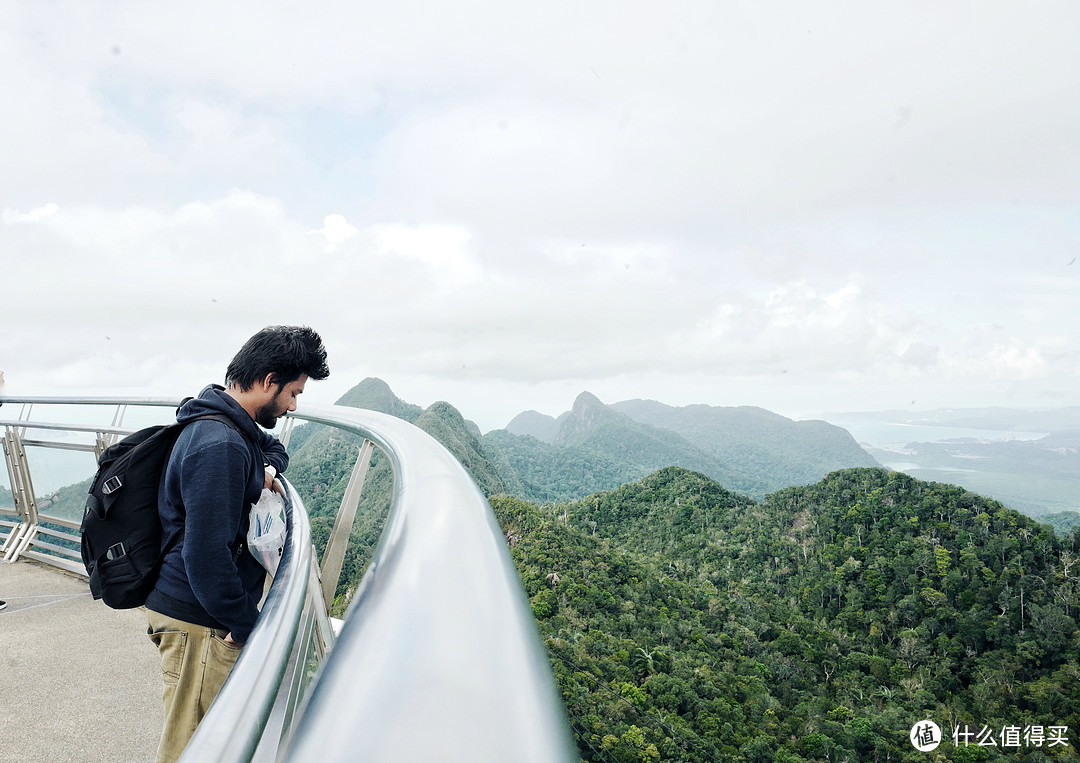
285	351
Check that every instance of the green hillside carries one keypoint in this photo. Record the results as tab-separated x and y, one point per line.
687	623
376	395
68	502
790	452
598	447
443	422
1063	522
545	472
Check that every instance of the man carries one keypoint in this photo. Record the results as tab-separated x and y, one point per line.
205	602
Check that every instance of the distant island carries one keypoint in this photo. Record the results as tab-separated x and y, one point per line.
1028	460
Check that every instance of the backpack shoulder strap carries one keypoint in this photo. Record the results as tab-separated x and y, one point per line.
223	419
227	421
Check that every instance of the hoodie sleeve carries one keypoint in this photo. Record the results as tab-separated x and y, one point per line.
273	452
213	482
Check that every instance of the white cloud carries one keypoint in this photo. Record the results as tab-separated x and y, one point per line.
442	248
337	230
549	196
12	217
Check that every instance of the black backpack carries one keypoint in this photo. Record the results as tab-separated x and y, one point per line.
121	529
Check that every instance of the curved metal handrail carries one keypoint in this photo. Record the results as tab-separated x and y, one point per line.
439	657
89	400
234	727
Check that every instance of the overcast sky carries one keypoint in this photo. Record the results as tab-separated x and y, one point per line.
803	206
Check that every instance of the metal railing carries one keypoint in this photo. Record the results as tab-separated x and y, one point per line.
438	657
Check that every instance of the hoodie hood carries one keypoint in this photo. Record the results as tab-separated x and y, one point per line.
214	399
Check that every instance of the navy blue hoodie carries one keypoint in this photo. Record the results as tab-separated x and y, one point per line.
213	476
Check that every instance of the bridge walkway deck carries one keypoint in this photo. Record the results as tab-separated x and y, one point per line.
78	681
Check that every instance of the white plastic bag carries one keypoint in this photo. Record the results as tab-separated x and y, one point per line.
266	530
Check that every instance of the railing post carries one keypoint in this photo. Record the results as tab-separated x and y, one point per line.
334	557
286	431
22	491
103	440
106	440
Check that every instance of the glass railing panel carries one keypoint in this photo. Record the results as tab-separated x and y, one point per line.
314	640
7	499
61	477
10	517
5	485
58	459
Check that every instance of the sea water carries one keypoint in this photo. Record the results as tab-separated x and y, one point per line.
895	436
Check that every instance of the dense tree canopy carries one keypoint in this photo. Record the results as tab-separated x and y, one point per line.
687	623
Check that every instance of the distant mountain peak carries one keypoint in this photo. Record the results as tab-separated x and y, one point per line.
445	423
375	395
587	413
534	424
587	400
370	388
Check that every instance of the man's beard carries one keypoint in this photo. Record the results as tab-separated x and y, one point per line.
267	415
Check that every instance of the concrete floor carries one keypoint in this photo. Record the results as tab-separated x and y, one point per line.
79	682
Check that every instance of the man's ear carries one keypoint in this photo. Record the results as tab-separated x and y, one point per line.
269	382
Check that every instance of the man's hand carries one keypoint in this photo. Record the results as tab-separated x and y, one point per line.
269	476
229	640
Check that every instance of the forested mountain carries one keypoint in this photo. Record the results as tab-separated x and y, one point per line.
688	623
1063	522
598	447
443	422
797	452
534	424
67	502
595	447
376	395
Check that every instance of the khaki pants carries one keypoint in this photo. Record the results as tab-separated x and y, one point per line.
195	661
